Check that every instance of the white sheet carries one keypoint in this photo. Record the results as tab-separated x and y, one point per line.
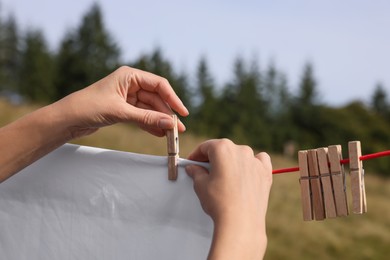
90	203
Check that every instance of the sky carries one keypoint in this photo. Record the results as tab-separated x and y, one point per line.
346	41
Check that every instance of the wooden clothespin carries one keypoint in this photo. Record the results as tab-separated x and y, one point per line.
359	203
327	187
315	184
305	186
173	150
338	180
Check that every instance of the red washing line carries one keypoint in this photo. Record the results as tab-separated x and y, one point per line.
344	161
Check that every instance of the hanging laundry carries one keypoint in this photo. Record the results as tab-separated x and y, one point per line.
89	203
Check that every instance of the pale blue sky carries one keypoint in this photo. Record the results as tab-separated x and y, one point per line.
346	40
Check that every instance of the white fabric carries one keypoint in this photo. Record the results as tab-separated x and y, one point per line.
88	203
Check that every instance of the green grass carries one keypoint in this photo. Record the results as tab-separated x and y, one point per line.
289	237
354	237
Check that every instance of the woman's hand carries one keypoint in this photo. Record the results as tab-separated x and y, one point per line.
126	95
235	194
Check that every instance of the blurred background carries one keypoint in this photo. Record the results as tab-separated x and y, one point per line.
279	76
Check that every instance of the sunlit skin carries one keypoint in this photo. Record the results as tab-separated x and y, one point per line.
234	192
126	95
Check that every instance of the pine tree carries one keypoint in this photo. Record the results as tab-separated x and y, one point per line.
278	113
308	95
270	91
9	54
379	102
204	118
241	107
255	108
86	54
306	110
70	74
229	111
37	71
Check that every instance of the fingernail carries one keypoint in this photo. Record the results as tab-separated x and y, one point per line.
184	127
165	123
187	112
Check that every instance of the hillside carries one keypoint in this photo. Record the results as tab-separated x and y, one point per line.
354	237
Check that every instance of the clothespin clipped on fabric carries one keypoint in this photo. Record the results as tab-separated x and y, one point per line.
323	186
173	150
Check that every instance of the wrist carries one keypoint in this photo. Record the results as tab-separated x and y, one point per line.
238	238
58	121
70	121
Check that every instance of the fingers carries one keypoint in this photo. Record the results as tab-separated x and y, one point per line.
152	121
266	173
213	150
201	153
266	160
196	171
154	97
199	176
154	131
238	181
148	118
161	86
216	151
153	101
165	123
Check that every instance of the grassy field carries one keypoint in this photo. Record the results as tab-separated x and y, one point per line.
354	237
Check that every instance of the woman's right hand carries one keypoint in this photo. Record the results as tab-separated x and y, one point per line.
234	192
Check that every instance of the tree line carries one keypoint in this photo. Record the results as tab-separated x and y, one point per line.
254	107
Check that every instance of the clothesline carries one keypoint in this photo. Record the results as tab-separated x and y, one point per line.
344	161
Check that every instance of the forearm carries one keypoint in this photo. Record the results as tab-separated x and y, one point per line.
31	137
238	240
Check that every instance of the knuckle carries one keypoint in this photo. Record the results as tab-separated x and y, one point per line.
124	74
267	167
223	146
265	156
123	68
226	142
164	82
147	118
246	150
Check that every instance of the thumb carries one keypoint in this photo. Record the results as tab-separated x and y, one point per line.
150	118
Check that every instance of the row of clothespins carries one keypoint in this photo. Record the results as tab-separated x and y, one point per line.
323	183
